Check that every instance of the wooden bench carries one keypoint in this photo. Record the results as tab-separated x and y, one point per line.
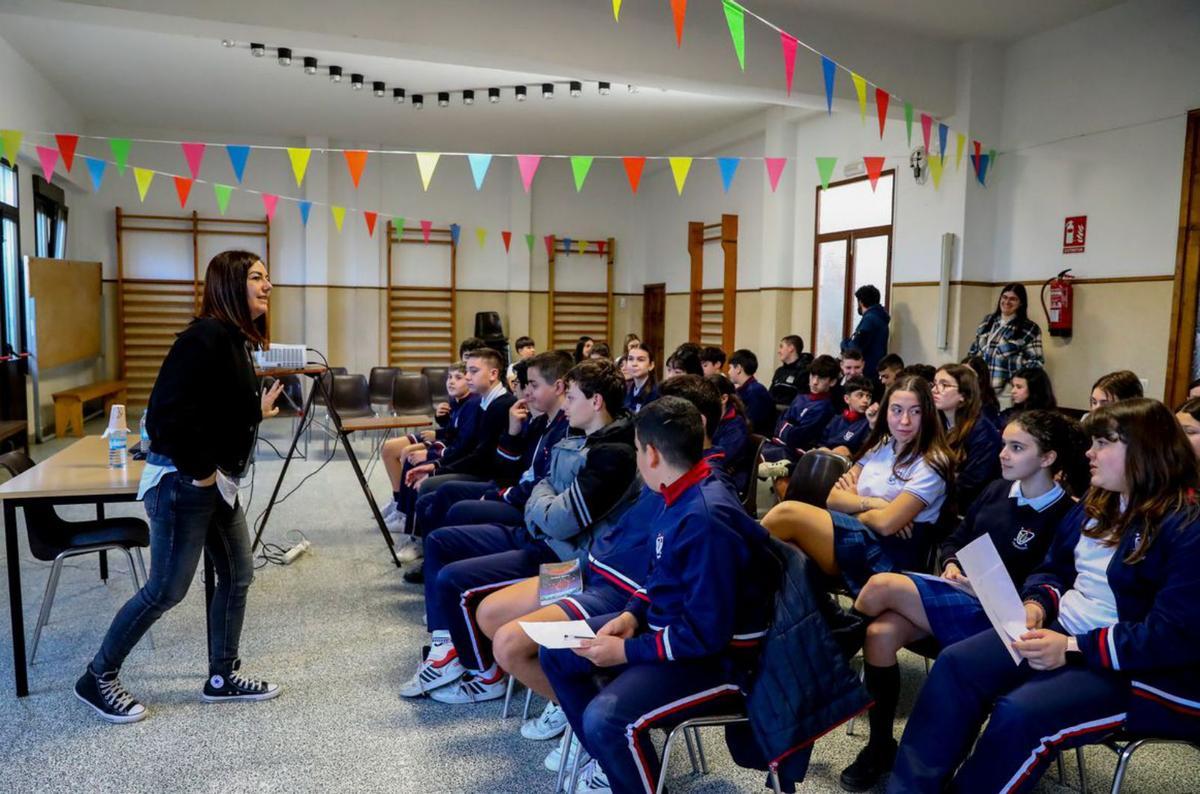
68	405
17	430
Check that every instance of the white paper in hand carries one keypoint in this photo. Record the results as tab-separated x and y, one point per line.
995	590
558	634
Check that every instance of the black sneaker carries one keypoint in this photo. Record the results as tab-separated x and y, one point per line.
108	697
872	765
235	686
415	574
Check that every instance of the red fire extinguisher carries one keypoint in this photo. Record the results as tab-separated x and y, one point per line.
1058	312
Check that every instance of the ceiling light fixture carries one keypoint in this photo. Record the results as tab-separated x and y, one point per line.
258	50
379	88
418	101
310	65
468	97
493	95
398	96
284	56
228	43
356	82
632	88
520	92
603	88
335	74
443	99
547	90
576	88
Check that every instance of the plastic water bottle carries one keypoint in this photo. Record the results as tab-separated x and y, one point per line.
117	452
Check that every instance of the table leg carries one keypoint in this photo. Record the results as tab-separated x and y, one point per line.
15	607
304	418
103	554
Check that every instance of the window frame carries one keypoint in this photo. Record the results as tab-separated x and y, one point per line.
12	212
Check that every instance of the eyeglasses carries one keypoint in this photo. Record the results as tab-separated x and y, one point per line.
944	385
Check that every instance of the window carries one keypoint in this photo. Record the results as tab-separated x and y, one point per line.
853	248
11	313
50	219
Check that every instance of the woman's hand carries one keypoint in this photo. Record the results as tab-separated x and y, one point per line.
955	574
1035	616
849	480
267	405
416	454
1043	649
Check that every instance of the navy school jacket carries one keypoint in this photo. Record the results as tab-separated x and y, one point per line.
1155	642
733	440
803	424
760	408
634	402
459	431
847	429
477	459
978	462
525	459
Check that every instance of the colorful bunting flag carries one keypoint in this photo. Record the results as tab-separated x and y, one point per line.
881	107
549	241
830	70
874	169
370	218
960	139
633	170
96	168
860	89
529	242
983	167
120	151
356	161
339	216
789	45
12	143
678	12
193	152
479	168
976	145
935	170
943	131
825	167
582	246
775	167
398	225
729	167
143	177
49	159
426	163
580	165
908	118
506	236
528	165
926	127
601	245
305	211
222	194
299	158
566	246
735	17
66	146
616	10
183	189
679	169
237	158
481	235
270	202
426	228
992	157
455	229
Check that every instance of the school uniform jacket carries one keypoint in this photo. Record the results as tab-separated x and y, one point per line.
848	429
803	424
978	462
637	400
479	459
1155	642
790	380
760	408
459	431
525	459
732	439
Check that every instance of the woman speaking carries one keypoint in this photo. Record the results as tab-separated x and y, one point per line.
202	417
1007	340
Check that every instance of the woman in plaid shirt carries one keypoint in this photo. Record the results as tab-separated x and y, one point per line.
1007	339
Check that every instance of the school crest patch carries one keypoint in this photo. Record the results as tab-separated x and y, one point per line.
1022	539
658	546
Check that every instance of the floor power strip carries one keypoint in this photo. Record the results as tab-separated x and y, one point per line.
291	554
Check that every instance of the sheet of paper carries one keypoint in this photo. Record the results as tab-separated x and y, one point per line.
994	589
960	584
558	634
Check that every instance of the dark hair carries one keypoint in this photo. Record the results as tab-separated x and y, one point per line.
1191	407
1017	289
600	350
600	377
552	365
521	371
1058	433
971	409
858	383
987	394
583	340
225	295
712	355
824	366
868	294
853	353
930	442
456	366
1160	472
745	359
729	392
925	371
469	344
651	377
1120	385
890	361
700	393
1041	391
524	341
795	341
632	338
493	358
686	359
672	425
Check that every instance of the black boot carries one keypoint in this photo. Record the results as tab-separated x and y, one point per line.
875	760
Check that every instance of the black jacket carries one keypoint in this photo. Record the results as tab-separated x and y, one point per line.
480	460
790	380
205	405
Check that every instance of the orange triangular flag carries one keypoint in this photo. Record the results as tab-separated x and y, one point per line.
370	218
183	186
874	169
633	170
66	147
679	11
356	161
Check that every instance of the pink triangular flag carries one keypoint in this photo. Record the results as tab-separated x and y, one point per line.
426	228
874	169
194	154
183	187
926	127
507	237
370	218
528	163
549	240
881	105
789	43
269	201
49	159
774	170
66	145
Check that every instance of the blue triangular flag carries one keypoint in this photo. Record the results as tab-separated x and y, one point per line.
454	230
943	131
729	166
830	69
96	169
983	165
237	157
567	245
305	208
479	167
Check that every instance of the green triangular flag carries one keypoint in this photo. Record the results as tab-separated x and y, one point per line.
398	225
12	144
735	16
908	116
580	165
529	242
825	169
120	152
222	193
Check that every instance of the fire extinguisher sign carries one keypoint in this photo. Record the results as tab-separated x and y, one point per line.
1074	234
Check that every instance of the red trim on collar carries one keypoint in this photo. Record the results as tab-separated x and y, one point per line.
851	415
729	414
820	395
696	474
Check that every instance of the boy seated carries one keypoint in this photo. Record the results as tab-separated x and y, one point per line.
526	349
760	407
682	647
712	360
847	430
803	424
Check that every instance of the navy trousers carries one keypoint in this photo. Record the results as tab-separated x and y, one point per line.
435	502
1034	714
613	720
477	511
465	564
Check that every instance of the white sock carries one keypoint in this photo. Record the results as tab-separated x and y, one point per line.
441	637
490	673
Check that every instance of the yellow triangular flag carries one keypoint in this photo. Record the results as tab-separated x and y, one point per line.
299	158
426	162
144	177
481	234
616	10
680	167
958	149
860	88
582	246
339	216
935	169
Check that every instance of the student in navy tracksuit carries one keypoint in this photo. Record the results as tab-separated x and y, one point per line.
760	408
732	434
642	387
847	431
1114	633
680	649
803	424
970	434
1020	513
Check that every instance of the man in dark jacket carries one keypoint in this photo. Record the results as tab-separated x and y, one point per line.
871	335
791	377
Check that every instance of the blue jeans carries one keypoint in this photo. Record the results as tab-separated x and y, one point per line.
185	520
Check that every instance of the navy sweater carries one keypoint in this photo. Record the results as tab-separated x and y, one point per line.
732	439
803	424
978	462
635	402
847	429
760	408
525	459
459	431
479	458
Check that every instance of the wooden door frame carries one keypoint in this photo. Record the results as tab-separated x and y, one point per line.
1186	294
658	352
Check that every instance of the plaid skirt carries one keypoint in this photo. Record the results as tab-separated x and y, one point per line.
953	615
860	553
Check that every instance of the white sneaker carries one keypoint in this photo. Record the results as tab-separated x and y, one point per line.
474	688
551	723
774	469
389	509
592	779
396	522
554	758
409	548
441	668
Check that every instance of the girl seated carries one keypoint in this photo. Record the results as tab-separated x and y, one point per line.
1020	513
1114	387
988	400
1113	637
972	437
1188	417
881	514
1031	391
640	384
